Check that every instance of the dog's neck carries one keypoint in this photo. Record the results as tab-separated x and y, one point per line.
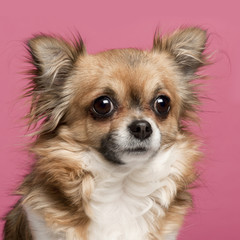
124	199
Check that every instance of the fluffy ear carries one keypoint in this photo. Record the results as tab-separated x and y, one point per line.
186	46
54	57
53	60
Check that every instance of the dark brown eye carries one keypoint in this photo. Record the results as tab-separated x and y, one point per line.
162	105
102	107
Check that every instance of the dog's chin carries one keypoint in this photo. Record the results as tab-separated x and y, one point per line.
136	156
130	156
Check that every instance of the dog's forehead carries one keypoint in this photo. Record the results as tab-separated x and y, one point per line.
129	72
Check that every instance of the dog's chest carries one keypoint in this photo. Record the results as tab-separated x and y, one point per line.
118	215
126	207
123	206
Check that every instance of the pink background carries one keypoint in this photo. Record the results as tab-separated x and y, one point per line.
117	24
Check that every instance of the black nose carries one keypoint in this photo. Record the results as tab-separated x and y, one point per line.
140	129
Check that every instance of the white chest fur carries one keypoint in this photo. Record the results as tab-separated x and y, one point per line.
123	204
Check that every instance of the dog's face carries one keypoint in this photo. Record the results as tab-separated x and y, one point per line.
126	104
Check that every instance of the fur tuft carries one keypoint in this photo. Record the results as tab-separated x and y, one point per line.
16	225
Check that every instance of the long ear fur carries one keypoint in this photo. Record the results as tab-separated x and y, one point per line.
186	46
53	59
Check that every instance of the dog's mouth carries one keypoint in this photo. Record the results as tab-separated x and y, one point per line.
136	150
120	149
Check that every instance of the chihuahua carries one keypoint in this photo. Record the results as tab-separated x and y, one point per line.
113	156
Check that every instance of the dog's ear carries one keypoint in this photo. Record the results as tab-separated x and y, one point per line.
53	59
186	46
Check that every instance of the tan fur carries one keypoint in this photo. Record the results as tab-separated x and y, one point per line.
64	83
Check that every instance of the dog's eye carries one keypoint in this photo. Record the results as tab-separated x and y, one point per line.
102	107
162	105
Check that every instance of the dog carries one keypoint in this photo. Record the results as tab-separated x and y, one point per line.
113	156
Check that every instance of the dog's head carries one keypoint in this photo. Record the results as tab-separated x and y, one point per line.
124	103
